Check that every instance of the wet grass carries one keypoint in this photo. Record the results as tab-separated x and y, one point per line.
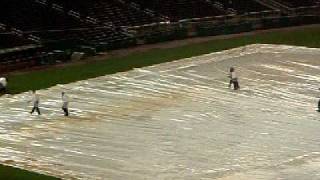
18	83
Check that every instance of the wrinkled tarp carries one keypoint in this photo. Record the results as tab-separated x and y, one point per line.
177	120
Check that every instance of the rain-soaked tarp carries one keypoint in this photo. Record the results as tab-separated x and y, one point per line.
177	120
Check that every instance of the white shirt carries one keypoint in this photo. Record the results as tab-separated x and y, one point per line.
35	100
233	75
3	81
65	101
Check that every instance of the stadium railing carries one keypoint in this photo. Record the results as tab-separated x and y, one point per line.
222	25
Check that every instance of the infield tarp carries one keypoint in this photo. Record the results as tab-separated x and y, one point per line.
177	120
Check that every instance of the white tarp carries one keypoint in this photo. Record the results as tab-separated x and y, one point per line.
177	120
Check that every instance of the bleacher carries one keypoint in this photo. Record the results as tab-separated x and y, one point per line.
298	3
48	23
28	15
10	40
119	14
180	9
102	24
241	6
33	19
116	12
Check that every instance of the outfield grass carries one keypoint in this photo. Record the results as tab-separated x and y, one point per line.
9	173
309	37
43	79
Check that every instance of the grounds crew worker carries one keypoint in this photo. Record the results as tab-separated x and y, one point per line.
65	103
233	79
319	104
35	100
3	84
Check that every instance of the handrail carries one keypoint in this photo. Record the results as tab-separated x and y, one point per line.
212	18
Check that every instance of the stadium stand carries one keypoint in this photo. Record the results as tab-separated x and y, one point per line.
181	9
11	37
240	6
298	3
21	58
31	30
117	12
10	40
30	16
48	23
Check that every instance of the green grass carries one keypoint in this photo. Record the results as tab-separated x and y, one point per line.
43	79
10	173
309	37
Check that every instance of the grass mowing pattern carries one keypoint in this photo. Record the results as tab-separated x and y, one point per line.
309	37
